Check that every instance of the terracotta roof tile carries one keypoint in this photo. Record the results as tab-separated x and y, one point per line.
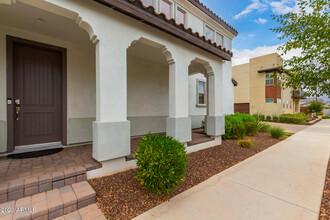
214	16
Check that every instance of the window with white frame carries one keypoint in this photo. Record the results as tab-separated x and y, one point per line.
166	8
201	92
180	16
287	104
279	101
219	39
269	79
209	33
283	103
148	3
269	100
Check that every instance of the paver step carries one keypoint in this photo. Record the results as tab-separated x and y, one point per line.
90	212
29	186
50	204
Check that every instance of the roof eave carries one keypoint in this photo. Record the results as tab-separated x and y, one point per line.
136	10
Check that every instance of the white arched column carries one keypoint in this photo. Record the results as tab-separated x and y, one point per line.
178	124
215	120
111	130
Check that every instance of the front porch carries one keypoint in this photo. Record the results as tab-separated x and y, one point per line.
25	177
106	98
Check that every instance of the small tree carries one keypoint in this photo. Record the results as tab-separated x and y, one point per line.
315	107
307	29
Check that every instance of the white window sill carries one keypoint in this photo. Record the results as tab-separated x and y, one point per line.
201	105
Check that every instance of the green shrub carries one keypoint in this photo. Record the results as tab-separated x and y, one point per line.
320	113
238	129
315	107
275	118
292	118
268	118
315	116
259	117
276	132
250	127
228	128
246	117
161	162
250	123
325	117
246	143
262	127
234	127
302	115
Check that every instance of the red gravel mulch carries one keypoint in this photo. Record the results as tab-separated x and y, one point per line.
120	196
325	205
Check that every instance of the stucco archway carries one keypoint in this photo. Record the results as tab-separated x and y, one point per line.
200	72
147	87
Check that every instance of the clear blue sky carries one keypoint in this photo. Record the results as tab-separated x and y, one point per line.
252	19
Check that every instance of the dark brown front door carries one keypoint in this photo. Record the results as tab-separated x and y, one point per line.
37	98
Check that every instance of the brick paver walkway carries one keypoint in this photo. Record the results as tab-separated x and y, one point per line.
25	177
55	203
90	212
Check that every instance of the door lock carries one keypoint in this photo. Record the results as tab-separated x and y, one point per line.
18	111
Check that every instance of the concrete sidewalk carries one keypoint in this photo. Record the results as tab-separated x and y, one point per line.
283	182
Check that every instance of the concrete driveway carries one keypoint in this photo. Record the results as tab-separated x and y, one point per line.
283	182
292	128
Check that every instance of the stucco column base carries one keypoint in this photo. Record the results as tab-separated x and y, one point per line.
111	140
179	128
215	125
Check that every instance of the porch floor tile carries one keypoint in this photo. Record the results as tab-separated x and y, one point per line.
22	177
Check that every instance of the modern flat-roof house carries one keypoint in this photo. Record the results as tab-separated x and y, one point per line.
258	90
104	71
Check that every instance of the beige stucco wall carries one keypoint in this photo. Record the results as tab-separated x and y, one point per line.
242	90
286	95
251	86
258	82
80	79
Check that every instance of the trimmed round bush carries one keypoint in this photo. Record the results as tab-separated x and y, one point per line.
268	118
276	132
162	163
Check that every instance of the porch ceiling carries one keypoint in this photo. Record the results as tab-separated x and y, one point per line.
31	19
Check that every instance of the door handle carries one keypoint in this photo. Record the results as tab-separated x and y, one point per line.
18	111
